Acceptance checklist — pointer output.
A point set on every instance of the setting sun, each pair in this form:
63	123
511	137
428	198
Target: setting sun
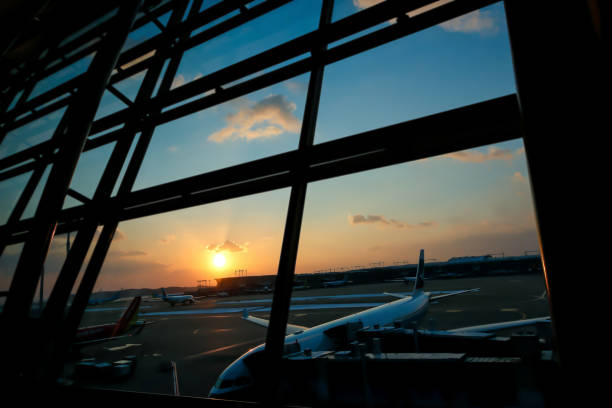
219	260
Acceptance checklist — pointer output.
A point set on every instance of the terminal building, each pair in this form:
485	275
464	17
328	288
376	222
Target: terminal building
473	266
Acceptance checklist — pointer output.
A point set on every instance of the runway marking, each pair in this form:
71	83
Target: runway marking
221	330
122	347
111	309
454	311
207	352
510	309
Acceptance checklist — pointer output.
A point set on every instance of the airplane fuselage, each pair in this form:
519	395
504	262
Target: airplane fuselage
407	310
174	299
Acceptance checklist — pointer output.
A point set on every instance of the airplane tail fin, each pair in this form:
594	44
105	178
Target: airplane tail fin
129	317
164	295
418	280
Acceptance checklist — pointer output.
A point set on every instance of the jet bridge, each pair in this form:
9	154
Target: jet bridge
396	366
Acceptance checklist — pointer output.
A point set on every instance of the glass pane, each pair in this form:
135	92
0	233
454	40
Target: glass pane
258	125
8	263
65	74
140	35
441	68
195	252
362	235
274	28
467	203
30	209
31	134
88	173
51	269
10	190
128	87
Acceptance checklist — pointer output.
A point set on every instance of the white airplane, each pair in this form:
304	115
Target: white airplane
174	299
330	284
410	310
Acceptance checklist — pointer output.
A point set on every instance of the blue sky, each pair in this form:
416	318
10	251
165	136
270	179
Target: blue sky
468	203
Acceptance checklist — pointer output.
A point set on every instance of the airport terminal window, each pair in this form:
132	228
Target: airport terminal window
8	262
110	103
87	174
33	202
254	126
434	70
272	29
203	254
30	135
398	137
470	211
11	190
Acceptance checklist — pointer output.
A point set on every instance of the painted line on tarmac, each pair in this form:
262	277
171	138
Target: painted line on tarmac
207	352
111	309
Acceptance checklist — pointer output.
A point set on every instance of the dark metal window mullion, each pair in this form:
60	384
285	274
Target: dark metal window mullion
40	165
110	225
279	314
81	114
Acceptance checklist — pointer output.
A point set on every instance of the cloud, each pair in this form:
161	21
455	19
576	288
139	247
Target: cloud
119	235
177	81
265	119
227	246
474	22
181	79
381	220
295	86
475	156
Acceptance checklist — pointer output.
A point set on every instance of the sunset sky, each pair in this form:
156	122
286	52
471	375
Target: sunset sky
467	203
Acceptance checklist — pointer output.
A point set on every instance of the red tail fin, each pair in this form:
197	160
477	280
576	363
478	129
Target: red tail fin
129	317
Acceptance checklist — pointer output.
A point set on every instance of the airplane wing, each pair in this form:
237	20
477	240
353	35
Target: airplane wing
501	325
291	328
453	293
396	295
458	292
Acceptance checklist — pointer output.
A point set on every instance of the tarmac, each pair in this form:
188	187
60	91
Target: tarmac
204	338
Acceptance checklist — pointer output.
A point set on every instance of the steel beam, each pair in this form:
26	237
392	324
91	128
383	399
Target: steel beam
54	311
561	78
480	124
80	114
279	314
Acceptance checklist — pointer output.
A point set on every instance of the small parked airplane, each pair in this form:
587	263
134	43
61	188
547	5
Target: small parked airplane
332	284
410	310
174	299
